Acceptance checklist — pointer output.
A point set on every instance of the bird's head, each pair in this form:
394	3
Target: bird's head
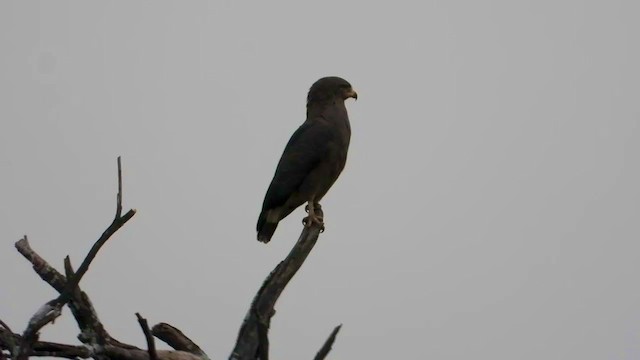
330	89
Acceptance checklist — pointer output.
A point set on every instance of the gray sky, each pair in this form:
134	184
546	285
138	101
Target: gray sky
489	208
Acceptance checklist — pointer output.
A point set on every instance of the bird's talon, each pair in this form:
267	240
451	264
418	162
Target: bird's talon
308	221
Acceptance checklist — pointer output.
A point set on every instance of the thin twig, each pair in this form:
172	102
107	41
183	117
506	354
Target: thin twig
119	196
151	345
4	325
115	226
324	350
117	223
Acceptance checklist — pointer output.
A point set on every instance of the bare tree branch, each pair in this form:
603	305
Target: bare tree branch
324	350
52	309
98	343
4	325
176	339
119	196
116	224
263	334
252	339
7	341
151	345
91	329
109	351
6	337
252	342
119	353
43	348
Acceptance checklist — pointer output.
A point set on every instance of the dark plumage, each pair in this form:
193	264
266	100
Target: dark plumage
313	158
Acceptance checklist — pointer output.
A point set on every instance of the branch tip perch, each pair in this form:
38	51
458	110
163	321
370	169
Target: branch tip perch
252	342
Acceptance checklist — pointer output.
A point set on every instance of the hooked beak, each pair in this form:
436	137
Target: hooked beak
351	93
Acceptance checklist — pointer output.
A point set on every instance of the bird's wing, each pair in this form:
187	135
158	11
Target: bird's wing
304	151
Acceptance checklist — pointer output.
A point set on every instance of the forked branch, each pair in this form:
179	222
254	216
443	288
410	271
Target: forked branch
52	309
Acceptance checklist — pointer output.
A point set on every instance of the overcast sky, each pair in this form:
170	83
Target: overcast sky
489	208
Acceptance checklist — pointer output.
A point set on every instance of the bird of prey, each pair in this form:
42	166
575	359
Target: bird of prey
313	158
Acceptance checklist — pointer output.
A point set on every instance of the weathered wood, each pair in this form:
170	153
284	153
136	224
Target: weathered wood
324	350
151	345
252	342
176	339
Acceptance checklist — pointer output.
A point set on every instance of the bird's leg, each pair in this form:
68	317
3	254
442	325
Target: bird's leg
316	206
311	208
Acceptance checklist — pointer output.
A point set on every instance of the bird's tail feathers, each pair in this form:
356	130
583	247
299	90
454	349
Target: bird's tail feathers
265	228
265	234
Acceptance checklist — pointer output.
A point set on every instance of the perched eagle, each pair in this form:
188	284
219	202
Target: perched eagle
313	158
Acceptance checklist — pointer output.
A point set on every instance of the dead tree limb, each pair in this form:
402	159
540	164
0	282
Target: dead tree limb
98	343
253	342
176	339
151	345
52	309
324	350
92	332
43	348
